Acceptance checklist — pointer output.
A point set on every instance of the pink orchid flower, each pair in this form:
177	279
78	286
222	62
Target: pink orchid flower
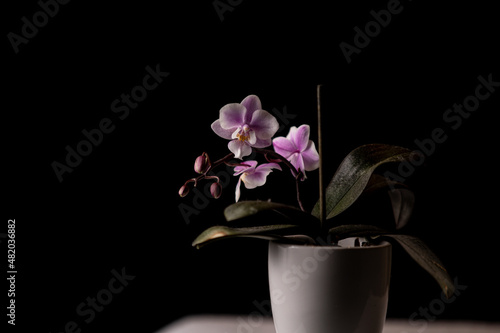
246	125
253	175
298	149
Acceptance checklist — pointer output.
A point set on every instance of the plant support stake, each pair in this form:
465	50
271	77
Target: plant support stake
322	212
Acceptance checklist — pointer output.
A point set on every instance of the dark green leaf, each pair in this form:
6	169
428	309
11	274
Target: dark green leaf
355	230
402	201
421	253
269	232
276	211
402	198
354	172
378	182
415	247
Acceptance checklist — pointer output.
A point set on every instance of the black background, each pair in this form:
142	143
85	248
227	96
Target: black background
119	208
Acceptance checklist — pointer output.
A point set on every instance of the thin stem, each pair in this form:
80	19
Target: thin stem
322	211
213	166
298	193
297	174
273	154
222	160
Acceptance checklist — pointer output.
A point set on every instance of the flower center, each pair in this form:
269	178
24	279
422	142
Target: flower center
242	137
243	134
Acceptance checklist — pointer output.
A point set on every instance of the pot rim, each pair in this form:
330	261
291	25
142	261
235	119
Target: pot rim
381	245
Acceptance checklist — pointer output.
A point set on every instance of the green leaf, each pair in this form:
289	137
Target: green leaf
421	253
355	230
415	247
378	182
353	175
276	211
402	201
269	232
402	198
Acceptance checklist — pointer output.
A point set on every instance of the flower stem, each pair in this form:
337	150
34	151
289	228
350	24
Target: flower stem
275	156
222	160
272	155
205	175
322	212
298	194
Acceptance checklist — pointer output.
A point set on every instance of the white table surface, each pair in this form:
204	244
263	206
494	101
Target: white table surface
242	324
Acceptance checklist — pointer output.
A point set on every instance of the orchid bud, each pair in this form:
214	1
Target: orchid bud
184	190
216	190
202	163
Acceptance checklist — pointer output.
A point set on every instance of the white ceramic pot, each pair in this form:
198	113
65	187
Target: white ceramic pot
329	289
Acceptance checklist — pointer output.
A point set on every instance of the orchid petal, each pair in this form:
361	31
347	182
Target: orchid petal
239	148
234	135
297	161
253	175
251	103
223	133
264	124
232	116
254	180
284	146
249	167
258	178
311	157
238	191
267	166
291	133
262	143
253	138
301	137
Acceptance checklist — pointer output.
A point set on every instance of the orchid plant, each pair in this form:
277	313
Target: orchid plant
250	129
